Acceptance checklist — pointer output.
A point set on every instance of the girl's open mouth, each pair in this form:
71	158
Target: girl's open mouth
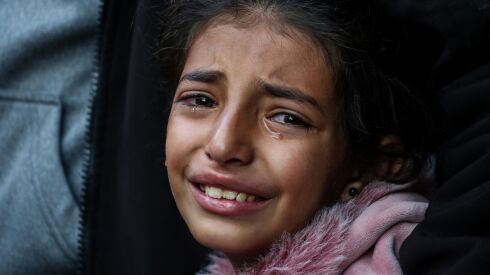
226	202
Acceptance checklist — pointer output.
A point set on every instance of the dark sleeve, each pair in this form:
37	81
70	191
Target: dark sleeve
135	226
454	238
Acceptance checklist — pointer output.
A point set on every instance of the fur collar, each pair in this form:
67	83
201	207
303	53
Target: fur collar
362	236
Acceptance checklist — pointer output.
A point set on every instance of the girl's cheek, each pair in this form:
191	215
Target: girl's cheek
175	142
184	136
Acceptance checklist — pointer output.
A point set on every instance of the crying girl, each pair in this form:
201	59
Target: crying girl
290	148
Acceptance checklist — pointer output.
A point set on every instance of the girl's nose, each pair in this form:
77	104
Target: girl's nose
231	141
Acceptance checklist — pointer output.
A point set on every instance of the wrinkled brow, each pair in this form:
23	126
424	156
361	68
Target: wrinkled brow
289	93
206	76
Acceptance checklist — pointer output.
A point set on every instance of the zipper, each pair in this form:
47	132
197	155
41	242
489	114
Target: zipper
88	184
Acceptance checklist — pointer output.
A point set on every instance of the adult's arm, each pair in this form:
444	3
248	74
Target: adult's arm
454	238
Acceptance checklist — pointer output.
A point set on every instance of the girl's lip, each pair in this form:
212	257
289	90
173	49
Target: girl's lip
225	207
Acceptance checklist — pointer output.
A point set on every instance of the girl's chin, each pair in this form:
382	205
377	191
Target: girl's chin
236	249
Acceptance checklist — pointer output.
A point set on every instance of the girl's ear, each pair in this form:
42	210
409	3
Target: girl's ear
388	166
385	167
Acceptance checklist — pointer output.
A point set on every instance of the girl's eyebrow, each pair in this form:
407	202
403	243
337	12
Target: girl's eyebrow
289	93
200	75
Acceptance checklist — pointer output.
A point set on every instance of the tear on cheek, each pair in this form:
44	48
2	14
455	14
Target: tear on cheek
270	129
277	131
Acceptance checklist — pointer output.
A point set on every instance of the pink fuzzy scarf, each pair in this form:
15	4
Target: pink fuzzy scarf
362	236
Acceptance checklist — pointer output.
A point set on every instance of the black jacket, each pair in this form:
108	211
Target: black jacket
130	222
450	57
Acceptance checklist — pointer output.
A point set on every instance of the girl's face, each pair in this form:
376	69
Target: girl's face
253	144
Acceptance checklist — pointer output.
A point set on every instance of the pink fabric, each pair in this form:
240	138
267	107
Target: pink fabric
376	235
362	236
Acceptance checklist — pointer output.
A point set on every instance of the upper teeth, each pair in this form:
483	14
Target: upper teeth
218	193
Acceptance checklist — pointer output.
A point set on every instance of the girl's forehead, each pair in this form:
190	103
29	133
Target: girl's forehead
260	43
265	35
259	53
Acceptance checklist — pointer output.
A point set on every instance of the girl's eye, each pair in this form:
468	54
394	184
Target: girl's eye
290	120
197	100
